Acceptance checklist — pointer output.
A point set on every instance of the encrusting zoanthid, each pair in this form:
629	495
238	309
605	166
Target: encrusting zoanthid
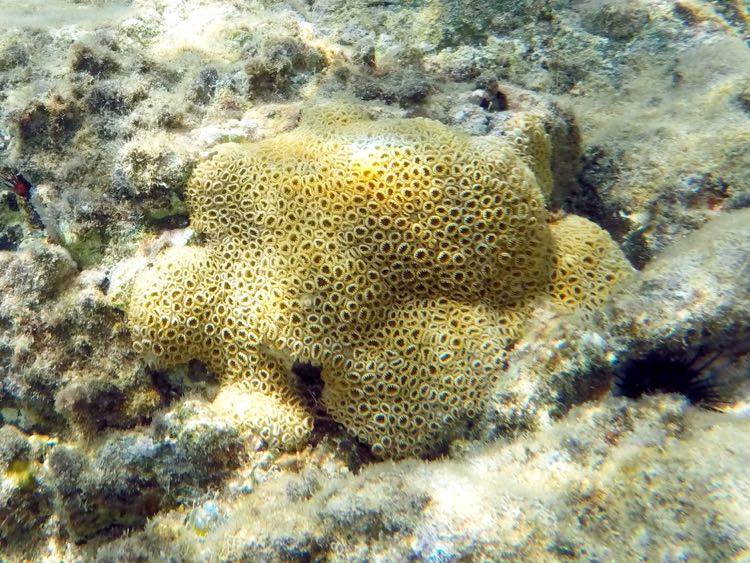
398	255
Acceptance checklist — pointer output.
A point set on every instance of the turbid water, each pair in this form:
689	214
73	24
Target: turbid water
374	281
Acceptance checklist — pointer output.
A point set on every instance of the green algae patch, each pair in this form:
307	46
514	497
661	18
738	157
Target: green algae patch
20	473
86	250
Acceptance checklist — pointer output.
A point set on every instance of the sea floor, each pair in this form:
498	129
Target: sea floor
611	432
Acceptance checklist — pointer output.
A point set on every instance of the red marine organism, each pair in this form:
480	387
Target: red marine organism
24	191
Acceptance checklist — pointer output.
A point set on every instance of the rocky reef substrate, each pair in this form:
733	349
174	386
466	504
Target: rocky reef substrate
613	434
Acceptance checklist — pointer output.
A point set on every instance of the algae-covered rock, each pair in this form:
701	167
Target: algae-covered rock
695	164
50	350
132	475
565	492
617	20
696	293
25	498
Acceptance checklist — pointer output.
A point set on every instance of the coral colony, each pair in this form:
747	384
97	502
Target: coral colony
399	256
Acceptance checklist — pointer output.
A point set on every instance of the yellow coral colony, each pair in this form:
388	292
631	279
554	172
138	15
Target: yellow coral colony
398	255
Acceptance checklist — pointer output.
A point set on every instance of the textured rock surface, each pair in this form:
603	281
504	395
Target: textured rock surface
694	295
611	481
695	165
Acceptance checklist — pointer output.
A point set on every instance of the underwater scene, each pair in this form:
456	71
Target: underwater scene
374	280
